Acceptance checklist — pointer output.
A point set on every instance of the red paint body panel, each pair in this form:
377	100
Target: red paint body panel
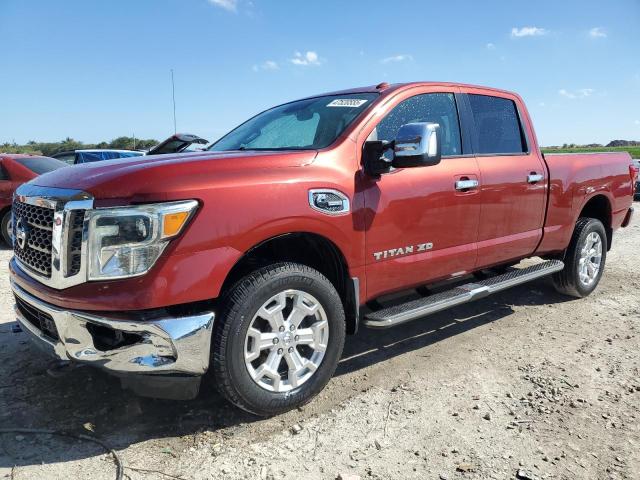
577	178
17	175
249	197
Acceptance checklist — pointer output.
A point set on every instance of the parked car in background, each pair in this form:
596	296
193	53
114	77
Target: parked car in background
15	170
74	157
179	143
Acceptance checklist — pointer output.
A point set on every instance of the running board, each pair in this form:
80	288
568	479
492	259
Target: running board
404	312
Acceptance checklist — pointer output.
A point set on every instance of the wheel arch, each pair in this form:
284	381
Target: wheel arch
307	248
599	207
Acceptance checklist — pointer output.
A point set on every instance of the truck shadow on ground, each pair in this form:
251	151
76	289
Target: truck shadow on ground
30	398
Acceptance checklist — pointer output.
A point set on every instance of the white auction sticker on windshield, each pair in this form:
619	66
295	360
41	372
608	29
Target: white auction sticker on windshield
346	102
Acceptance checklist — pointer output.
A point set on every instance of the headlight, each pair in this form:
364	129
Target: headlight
127	241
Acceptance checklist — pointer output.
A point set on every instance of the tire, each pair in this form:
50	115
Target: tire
568	281
301	289
5	225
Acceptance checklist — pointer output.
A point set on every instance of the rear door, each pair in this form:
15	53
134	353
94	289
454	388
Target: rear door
513	178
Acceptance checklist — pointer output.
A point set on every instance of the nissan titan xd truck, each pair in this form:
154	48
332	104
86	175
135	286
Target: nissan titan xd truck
251	261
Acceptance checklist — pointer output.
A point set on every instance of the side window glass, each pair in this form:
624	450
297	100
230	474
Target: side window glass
3	173
498	127
430	107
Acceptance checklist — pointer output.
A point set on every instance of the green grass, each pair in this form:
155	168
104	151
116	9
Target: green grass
633	151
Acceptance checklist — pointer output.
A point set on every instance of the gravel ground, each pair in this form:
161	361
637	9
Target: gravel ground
523	384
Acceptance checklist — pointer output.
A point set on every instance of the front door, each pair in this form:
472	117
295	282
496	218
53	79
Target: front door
513	183
419	227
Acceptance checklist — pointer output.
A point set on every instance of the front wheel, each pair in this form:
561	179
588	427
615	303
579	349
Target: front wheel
584	260
278	339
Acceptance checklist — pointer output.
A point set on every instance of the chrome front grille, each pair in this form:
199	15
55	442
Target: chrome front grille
50	234
33	226
74	243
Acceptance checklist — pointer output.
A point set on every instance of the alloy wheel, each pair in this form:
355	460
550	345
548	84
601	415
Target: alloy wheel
286	341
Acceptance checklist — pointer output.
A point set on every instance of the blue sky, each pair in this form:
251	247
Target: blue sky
94	70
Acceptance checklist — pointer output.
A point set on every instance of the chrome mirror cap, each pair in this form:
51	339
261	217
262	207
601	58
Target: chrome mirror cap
417	145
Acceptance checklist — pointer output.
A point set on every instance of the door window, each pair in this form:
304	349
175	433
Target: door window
437	108
498	129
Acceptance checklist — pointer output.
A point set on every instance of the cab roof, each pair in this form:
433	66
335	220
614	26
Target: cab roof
387	88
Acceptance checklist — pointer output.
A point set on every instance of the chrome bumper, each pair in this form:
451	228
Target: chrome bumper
158	345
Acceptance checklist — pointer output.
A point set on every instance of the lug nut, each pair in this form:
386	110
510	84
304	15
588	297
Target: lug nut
281	329
292	328
297	338
290	349
279	351
275	341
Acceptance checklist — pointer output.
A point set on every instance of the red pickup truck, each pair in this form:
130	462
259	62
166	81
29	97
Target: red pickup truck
254	258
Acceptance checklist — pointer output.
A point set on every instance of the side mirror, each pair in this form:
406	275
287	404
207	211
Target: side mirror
375	164
417	145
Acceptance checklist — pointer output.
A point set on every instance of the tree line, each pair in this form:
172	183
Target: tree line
51	148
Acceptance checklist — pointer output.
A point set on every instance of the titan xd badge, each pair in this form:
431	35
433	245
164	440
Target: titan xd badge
408	250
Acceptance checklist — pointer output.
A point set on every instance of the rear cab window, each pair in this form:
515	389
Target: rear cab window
498	129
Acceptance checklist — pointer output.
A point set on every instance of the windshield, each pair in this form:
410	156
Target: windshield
41	165
313	123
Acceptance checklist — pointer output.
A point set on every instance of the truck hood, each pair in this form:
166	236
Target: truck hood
160	176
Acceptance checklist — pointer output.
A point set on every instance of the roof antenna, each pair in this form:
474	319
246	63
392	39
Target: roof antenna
173	94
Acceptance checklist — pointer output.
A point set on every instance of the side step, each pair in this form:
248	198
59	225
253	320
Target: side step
397	314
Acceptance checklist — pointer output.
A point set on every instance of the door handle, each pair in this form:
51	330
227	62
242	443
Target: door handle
534	177
466	184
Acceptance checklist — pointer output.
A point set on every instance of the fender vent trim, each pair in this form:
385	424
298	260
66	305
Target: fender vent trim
329	201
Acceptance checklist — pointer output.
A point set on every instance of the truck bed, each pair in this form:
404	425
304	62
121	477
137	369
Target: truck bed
575	178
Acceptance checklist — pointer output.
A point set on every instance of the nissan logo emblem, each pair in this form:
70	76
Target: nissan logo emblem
21	232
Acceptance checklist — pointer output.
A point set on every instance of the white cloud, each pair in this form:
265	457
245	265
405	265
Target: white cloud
527	32
230	5
490	46
305	59
266	65
597	32
580	93
397	58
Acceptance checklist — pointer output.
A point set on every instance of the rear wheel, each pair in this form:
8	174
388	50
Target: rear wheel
584	260
278	339
6	227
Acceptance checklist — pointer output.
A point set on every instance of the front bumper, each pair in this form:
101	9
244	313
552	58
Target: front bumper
151	346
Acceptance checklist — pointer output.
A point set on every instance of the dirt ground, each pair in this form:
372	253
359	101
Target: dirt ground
523	384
